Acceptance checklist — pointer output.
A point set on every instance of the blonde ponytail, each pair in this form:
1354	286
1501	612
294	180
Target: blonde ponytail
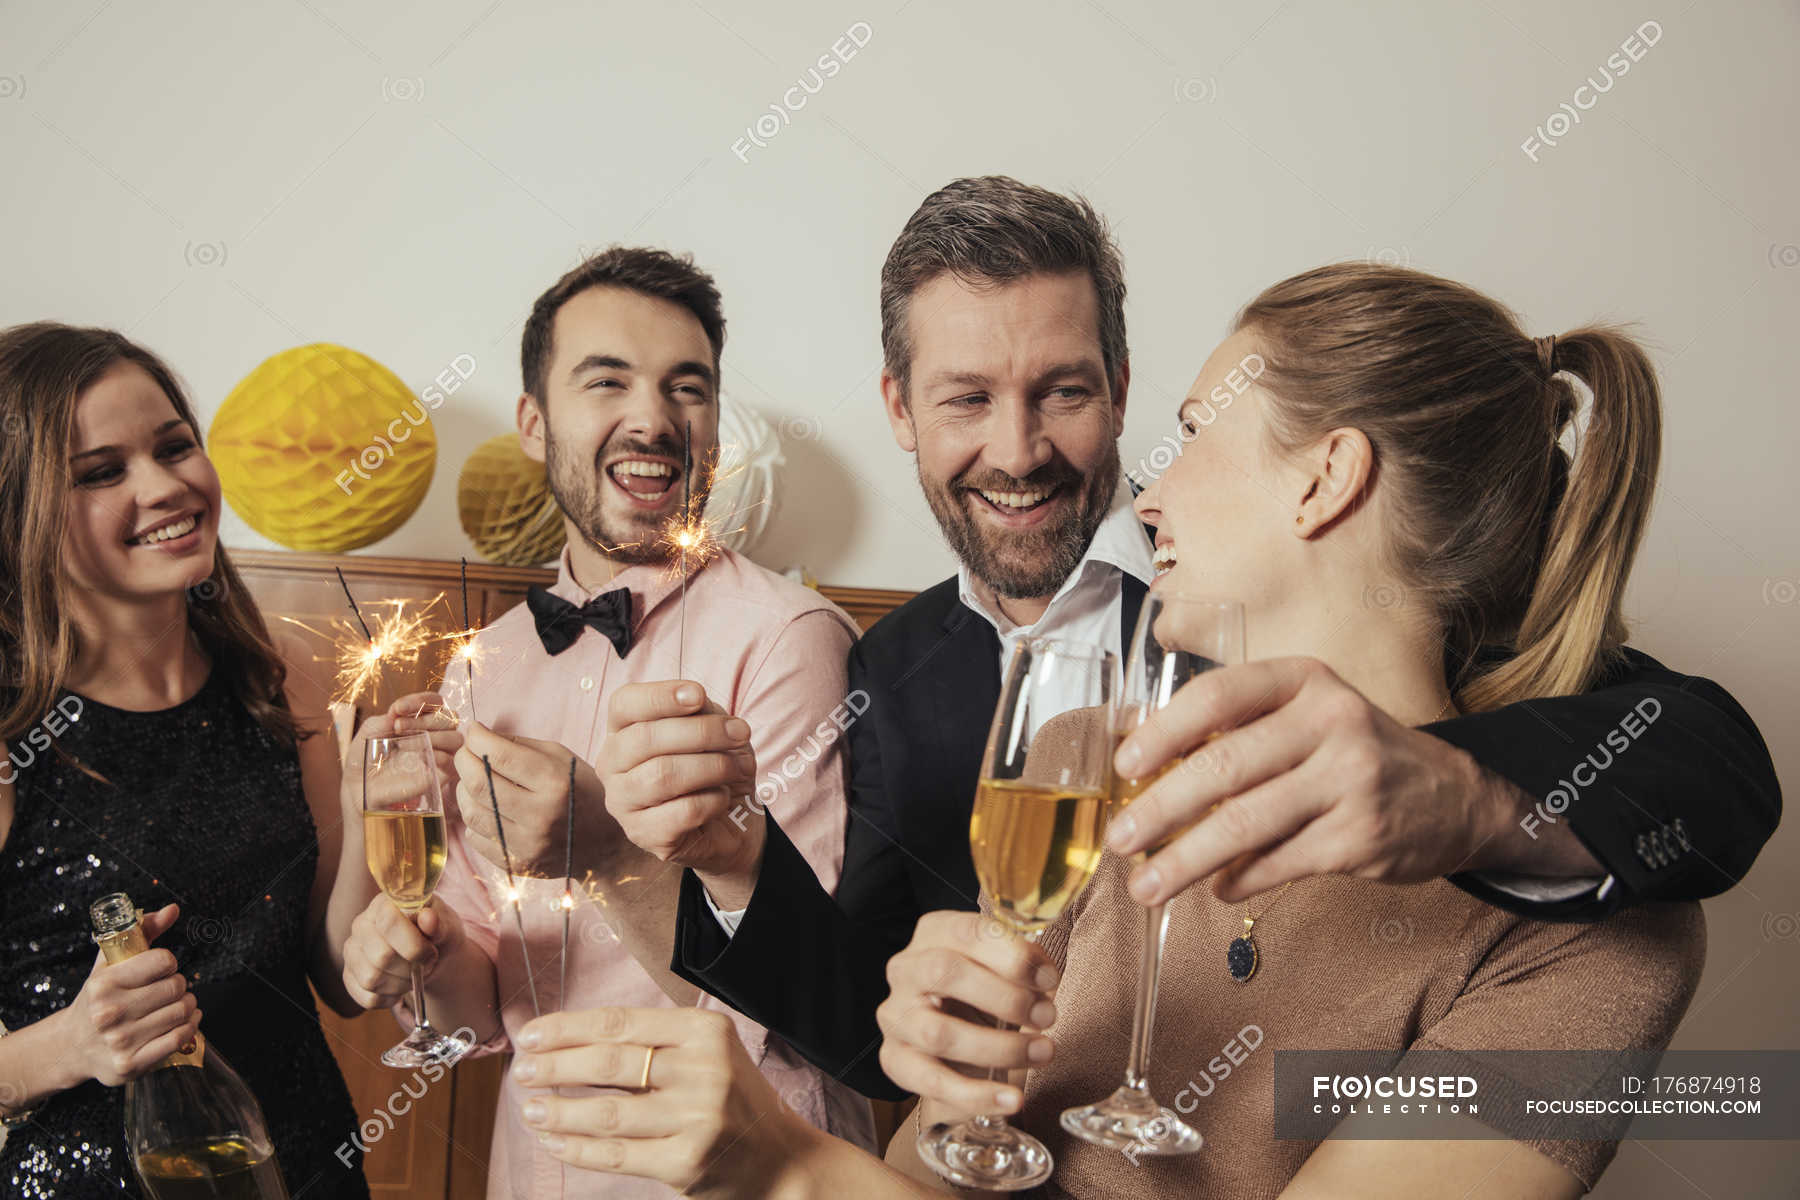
1573	625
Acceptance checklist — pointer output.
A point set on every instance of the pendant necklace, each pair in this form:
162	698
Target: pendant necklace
1241	957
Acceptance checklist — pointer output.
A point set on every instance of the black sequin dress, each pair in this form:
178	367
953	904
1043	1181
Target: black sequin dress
205	810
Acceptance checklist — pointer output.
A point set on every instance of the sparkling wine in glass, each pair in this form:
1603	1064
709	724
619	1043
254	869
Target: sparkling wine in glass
1035	834
1177	638
404	838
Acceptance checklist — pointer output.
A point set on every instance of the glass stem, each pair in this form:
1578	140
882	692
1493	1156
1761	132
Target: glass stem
418	1000
994	1121
991	1122
1156	928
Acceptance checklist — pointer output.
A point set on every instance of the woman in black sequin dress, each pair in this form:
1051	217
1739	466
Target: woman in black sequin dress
159	745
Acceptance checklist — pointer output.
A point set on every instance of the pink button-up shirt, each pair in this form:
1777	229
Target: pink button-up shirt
766	649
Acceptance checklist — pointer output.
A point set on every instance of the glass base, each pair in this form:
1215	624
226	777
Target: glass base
425	1045
994	1157
1132	1121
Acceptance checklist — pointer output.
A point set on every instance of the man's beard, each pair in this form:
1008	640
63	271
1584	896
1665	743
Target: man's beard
631	537
1032	563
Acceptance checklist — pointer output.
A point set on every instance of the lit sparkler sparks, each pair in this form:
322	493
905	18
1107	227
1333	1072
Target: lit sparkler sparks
394	640
466	649
691	537
690	541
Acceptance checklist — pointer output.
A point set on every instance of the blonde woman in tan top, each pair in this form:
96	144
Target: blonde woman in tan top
1387	498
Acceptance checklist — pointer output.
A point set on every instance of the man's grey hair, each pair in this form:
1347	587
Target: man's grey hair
995	230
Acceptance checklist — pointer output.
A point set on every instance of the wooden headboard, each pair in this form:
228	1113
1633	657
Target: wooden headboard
439	1149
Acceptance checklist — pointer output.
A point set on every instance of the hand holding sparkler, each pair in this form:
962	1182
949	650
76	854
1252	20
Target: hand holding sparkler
539	784
535	808
680	775
531	784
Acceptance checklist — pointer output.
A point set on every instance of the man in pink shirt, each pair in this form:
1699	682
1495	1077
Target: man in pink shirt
621	360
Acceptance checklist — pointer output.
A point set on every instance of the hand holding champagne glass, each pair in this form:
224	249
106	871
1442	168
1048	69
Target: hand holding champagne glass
404	836
1040	813
1177	638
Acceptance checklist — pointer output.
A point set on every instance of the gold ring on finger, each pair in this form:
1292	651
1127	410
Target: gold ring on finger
644	1080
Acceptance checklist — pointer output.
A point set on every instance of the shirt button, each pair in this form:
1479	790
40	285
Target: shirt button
587	683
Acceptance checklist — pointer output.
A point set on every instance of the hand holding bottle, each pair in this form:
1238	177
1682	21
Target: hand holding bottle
189	1119
131	1015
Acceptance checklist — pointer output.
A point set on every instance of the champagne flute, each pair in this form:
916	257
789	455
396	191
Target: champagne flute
404	838
1178	637
1039	816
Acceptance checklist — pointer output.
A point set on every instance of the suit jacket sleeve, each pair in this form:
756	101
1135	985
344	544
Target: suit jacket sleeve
1662	776
805	966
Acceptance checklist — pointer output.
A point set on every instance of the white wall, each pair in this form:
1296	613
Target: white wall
405	177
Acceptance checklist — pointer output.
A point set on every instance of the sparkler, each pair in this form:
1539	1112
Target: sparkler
568	899
355	611
690	542
691	539
568	906
694	538
466	648
512	885
395	640
685	538
463	647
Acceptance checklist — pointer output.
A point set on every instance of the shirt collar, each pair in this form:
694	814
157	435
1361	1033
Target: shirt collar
1120	541
1118	546
650	585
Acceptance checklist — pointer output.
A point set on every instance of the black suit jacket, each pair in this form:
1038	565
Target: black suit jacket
1680	812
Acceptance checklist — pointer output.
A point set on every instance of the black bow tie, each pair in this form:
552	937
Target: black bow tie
559	622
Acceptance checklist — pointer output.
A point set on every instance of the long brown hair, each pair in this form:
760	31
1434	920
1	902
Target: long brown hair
44	369
1487	518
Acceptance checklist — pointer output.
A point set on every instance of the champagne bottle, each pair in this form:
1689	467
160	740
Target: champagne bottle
193	1129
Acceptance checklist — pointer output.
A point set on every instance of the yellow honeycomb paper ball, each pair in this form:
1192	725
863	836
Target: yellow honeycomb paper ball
322	448
506	506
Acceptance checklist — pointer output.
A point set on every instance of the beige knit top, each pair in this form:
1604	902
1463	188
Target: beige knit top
1345	964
